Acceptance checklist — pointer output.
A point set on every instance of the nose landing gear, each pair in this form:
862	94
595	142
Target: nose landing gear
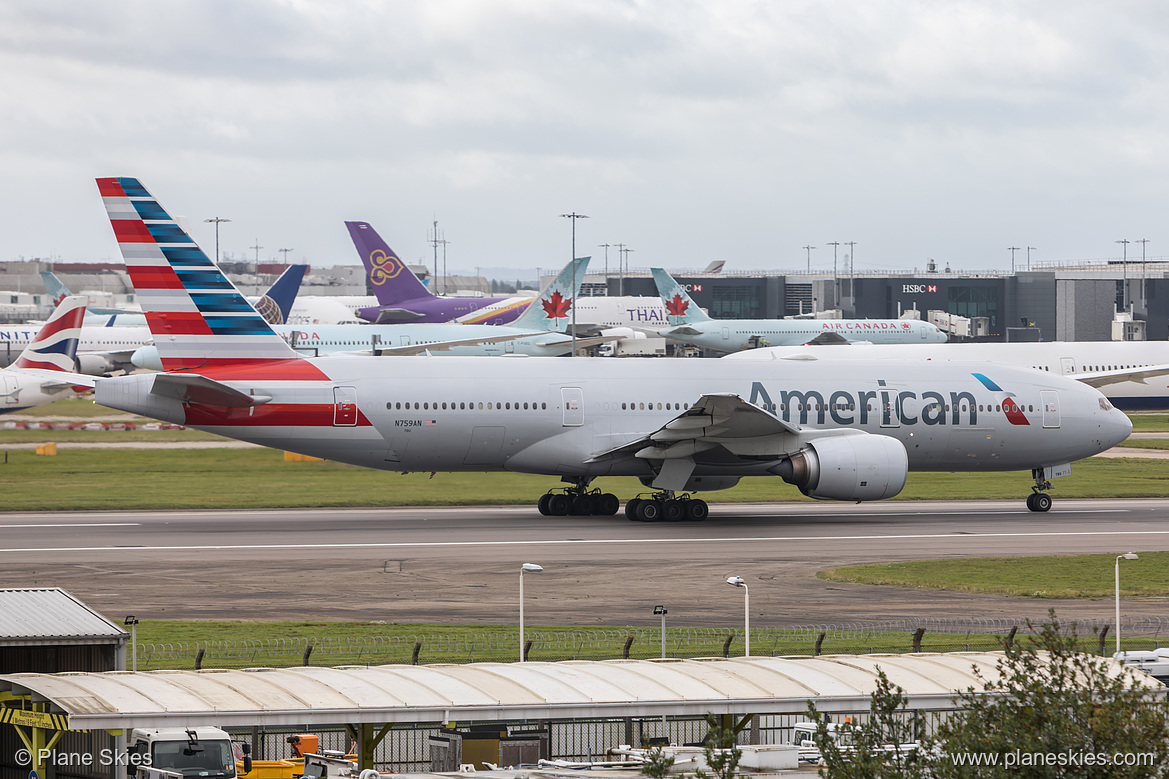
1039	500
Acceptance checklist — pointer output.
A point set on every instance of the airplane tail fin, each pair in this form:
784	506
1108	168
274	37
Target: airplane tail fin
391	280
277	301
715	266
552	308
53	285
680	309
55	346
197	316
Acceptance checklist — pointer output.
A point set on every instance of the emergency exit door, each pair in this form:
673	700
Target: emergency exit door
344	406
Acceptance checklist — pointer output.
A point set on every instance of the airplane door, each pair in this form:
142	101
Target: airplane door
573	399
726	333
1050	401
344	406
1067	365
405	340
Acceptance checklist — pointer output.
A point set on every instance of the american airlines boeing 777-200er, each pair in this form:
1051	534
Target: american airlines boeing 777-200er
840	432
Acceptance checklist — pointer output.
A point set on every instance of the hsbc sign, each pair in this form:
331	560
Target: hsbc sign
918	289
692	287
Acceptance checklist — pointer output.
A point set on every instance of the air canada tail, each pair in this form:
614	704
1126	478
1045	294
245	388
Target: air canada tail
55	346
55	287
680	309
197	316
391	280
552	309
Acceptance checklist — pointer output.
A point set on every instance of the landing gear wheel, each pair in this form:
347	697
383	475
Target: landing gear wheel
583	505
607	505
631	509
673	510
542	504
649	511
1039	501
697	510
559	505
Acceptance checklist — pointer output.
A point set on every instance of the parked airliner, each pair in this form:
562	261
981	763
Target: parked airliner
836	432
538	331
688	323
43	371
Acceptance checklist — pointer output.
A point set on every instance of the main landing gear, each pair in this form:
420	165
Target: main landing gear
578	501
664	506
1039	500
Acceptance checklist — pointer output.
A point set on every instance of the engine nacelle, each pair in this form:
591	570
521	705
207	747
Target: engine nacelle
849	467
700	483
94	364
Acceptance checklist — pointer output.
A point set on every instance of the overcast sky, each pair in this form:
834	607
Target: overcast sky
688	131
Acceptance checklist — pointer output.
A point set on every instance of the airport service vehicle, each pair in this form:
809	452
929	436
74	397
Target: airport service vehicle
44	370
839	432
1133	375
403	298
206	753
631	344
688	323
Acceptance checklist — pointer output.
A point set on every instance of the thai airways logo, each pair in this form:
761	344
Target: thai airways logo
676	306
1012	409
384	267
556	306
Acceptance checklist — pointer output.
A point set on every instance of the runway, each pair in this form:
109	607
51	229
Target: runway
443	565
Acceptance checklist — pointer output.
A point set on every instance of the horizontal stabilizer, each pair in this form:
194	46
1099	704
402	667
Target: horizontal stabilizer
202	391
58	380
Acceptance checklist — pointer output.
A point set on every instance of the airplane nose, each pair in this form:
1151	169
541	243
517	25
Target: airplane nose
1116	425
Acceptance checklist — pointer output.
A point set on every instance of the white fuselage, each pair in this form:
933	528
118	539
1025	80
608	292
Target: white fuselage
14	339
1064	358
732	335
538	415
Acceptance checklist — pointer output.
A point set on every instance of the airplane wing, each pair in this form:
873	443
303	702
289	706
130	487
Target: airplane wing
680	330
442	346
393	316
724	420
828	339
1141	375
200	390
583	342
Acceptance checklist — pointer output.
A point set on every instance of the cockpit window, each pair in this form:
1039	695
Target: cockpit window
1104	404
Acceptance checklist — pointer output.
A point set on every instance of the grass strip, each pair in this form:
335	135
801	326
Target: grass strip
1072	576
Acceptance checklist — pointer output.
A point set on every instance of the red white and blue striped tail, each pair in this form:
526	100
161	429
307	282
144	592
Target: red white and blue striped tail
197	316
55	347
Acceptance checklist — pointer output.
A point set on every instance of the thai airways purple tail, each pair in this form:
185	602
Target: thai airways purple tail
402	298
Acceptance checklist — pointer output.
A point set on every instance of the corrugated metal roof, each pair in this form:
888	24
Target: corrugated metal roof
52	616
488	691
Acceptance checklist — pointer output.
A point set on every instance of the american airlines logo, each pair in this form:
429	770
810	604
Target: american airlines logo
918	289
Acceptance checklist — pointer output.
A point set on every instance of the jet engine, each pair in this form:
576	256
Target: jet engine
850	467
95	364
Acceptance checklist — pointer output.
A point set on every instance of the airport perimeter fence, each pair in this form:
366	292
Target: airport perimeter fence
926	635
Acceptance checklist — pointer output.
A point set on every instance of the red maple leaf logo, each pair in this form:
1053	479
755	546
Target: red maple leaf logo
676	306
556	306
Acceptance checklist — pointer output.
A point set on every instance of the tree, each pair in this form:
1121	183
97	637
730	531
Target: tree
721	750
657	763
873	749
1049	711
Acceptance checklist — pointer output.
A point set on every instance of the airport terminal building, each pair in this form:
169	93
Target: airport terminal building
1058	303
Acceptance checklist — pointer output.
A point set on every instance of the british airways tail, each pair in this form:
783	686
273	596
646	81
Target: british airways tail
55	346
391	280
680	309
197	316
552	309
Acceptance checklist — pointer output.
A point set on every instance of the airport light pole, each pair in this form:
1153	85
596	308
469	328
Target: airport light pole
525	568
1029	250
1142	242
1129	556
1012	250
606	246
132	621
217	220
574	216
1124	242
809	249
737	581
662	611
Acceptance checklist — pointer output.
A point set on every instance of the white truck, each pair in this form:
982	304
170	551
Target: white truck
206	753
633	343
